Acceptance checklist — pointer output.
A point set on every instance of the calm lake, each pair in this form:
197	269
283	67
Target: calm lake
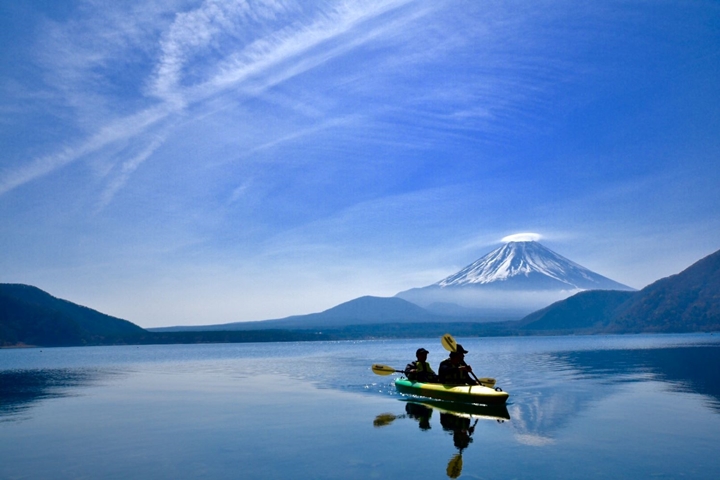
635	406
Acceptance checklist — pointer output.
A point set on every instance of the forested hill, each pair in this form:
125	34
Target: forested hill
686	302
31	316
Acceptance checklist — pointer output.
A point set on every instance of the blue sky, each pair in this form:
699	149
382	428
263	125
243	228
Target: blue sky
193	162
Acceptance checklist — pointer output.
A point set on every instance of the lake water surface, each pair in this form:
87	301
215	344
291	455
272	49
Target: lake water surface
635	406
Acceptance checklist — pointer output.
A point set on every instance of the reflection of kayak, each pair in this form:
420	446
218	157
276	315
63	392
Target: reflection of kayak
454	393
467	410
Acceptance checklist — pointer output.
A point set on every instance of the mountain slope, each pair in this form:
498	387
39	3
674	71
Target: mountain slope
31	316
686	302
587	311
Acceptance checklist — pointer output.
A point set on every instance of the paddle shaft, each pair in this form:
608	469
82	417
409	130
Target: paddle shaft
472	373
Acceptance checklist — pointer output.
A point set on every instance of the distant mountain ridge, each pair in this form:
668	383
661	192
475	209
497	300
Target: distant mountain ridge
686	302
360	311
590	311
517	278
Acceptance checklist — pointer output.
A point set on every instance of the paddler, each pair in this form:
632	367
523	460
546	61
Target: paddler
420	370
454	370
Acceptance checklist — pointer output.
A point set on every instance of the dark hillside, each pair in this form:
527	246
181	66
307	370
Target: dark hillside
31	316
586	311
686	302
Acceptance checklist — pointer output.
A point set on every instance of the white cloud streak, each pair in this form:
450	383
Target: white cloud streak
192	33
264	54
126	170
111	133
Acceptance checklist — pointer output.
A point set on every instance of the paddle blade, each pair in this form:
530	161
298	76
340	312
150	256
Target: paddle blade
384	419
454	468
487	382
382	369
448	342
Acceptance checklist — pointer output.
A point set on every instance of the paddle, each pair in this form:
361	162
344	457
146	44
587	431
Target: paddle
454	468
449	344
384	370
385	419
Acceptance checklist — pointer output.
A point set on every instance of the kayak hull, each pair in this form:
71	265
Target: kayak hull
454	393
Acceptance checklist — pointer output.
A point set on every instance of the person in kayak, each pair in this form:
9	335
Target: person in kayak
454	370
420	370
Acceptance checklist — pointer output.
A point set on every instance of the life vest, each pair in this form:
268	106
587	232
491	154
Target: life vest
423	371
451	374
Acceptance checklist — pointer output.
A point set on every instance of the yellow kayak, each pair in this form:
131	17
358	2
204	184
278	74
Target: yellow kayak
455	393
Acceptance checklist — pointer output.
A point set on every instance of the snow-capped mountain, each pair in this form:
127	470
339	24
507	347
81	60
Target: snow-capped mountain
529	266
516	278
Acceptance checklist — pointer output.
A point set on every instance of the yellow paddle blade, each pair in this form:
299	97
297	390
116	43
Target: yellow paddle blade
487	382
382	369
384	419
454	468
448	342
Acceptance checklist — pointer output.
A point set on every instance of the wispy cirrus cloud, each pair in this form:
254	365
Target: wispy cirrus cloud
126	169
182	57
113	132
262	63
203	52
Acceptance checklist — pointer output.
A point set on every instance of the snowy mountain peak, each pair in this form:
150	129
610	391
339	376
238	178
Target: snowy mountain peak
527	264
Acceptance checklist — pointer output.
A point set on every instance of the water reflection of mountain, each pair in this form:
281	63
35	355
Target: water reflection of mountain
691	369
540	410
20	389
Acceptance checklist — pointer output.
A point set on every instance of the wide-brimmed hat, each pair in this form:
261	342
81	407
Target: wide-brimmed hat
421	350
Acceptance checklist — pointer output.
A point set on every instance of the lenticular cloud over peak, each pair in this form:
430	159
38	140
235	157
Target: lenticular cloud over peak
522	237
